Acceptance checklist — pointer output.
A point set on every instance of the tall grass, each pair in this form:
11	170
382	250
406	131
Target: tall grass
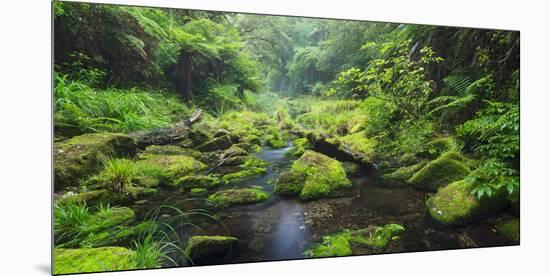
80	108
70	220
118	173
161	243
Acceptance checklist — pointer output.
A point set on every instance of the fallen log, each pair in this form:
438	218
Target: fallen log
163	136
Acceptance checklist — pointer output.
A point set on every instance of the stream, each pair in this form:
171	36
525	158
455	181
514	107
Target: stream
281	228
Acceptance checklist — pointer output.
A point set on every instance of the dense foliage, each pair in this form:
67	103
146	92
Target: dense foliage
397	94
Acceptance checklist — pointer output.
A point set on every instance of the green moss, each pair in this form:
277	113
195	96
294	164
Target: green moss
336	245
241	175
106	197
91	260
440	145
375	239
234	150
509	229
156	151
79	157
170	168
218	143
110	217
276	143
238	196
358	144
299	146
202	246
455	204
92	230
198	191
289	183
197	181
120	236
449	167
85	197
403	173
319	174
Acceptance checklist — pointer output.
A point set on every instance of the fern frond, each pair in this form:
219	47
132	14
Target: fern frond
456	103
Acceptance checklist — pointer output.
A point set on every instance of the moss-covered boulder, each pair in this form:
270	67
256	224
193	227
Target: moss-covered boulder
109	218
197	181
509	229
106	197
218	143
91	228
79	157
84	260
275	143
372	240
449	167
456	205
313	175
198	192
239	196
116	236
202	246
357	145
234	151
404	173
242	175
299	146
156	151
170	168
438	146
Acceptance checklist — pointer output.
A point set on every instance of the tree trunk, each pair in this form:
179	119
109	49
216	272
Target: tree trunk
164	136
184	69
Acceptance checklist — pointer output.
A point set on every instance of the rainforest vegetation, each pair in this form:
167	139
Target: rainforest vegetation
191	137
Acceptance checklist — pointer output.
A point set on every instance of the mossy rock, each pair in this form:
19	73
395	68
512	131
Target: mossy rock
242	175
116	236
170	168
197	181
116	216
198	137
84	260
234	151
239	196
456	205
289	183
373	239
98	226
357	145
276	143
449	167
253	146
404	173
299	146
103	196
79	157
203	246
509	229
198	192
313	175
438	146
219	143
156	151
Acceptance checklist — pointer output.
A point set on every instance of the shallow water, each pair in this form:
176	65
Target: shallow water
282	228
